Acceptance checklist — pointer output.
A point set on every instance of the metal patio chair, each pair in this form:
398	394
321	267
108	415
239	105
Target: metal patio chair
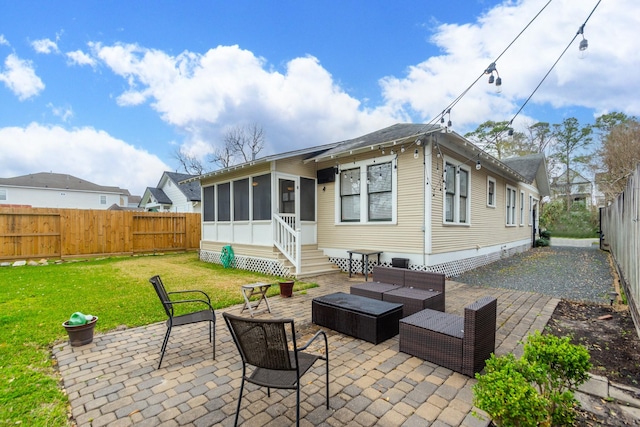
205	315
274	361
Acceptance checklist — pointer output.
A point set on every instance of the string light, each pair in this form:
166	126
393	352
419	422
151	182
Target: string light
498	80
584	44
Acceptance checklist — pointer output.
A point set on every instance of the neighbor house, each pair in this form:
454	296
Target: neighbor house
580	188
57	190
172	194
411	191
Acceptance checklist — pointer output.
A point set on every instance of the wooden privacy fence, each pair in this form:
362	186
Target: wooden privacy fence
28	233
620	225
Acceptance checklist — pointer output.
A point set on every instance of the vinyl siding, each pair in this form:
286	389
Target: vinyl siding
406	236
487	224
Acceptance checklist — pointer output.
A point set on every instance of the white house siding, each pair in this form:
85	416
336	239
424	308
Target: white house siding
61	198
179	202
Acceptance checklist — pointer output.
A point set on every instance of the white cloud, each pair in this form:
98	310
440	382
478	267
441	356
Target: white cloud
203	93
300	103
4	41
87	153
65	113
20	77
45	46
78	57
602	81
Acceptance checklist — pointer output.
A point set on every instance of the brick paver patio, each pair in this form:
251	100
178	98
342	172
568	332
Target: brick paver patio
114	381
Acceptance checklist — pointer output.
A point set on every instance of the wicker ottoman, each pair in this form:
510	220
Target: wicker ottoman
364	318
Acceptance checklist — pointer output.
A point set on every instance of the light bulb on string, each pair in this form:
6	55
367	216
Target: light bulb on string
584	44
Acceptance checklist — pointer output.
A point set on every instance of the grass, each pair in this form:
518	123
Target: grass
36	300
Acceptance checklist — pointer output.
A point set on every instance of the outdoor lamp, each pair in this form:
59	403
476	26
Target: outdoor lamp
584	44
497	80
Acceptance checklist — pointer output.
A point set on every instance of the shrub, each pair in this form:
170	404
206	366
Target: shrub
542	242
535	389
545	234
579	222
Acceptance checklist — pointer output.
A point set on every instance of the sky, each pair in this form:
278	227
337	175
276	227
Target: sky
109	91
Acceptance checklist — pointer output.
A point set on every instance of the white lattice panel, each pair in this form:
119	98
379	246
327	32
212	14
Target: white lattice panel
260	265
449	269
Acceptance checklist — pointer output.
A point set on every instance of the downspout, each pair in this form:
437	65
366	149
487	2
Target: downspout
427	204
424	204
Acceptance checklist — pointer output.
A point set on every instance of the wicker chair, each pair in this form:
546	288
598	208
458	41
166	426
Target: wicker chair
273	361
205	315
462	344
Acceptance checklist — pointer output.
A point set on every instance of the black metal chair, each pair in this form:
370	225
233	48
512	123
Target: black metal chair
273	360
205	315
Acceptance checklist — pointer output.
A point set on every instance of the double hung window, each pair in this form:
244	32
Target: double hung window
511	206
367	192
457	185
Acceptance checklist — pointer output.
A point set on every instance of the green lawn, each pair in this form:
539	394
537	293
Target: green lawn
36	300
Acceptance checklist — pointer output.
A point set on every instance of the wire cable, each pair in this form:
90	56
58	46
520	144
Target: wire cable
456	100
580	31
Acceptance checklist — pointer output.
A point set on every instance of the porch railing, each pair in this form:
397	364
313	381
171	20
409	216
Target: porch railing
287	238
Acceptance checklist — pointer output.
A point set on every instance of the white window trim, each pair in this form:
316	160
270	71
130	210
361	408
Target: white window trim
456	204
495	187
521	208
510	211
4	194
530	209
364	195
100	198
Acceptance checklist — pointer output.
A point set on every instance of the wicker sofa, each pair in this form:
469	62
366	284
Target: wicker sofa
416	290
462	344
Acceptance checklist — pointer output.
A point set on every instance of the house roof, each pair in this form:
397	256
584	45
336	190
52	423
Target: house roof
160	195
191	189
312	151
59	181
397	134
393	134
531	167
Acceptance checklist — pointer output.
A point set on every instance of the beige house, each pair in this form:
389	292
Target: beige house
409	191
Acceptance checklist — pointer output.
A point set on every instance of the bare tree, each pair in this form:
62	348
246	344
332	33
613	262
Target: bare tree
241	144
222	157
190	164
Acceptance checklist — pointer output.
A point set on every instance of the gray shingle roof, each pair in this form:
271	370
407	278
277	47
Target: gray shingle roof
391	133
160	195
527	166
531	167
59	181
190	189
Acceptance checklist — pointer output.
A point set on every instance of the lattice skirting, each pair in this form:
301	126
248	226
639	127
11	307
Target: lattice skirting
259	265
449	269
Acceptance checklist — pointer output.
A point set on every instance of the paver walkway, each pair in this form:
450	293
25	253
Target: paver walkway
114	381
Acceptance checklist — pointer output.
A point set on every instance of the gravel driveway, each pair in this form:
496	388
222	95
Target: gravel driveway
573	273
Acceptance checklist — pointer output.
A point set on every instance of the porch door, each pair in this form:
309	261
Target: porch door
288	196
